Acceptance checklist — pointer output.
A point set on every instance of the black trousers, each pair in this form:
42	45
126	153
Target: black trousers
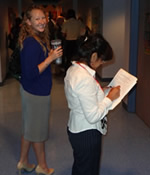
86	151
70	51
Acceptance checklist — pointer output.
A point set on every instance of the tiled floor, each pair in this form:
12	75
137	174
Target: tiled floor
126	147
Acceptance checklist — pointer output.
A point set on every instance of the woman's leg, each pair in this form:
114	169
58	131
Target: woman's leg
25	147
39	149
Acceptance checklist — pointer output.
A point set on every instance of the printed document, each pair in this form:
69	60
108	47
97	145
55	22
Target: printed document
126	81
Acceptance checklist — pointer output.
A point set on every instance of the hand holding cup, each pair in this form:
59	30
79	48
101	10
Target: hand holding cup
57	49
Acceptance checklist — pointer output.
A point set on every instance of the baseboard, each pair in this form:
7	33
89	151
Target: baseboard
125	106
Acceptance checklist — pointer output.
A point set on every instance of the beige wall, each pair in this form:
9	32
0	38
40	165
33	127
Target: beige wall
116	24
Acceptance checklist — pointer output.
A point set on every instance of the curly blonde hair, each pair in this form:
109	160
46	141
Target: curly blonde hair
26	30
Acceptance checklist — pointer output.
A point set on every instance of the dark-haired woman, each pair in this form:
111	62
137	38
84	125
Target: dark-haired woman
36	84
88	104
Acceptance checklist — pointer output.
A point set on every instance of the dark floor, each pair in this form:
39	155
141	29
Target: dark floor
126	147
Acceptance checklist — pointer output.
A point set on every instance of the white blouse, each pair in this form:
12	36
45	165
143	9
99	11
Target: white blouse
86	99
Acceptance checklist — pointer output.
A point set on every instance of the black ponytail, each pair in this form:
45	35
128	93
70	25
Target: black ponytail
87	45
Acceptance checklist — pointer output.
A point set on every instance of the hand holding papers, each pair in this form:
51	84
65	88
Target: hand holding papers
126	81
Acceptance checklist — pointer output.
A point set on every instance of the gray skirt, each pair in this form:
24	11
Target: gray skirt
35	116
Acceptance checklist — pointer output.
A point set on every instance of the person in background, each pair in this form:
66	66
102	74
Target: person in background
14	33
51	26
72	28
59	23
88	104
36	84
88	31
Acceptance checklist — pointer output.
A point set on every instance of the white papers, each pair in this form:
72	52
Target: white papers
126	81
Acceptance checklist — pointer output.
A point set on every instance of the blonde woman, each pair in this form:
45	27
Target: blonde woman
36	84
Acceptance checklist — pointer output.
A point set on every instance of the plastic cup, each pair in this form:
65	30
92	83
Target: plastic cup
56	43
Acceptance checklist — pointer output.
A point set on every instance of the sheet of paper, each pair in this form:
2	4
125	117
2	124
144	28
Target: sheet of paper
126	81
